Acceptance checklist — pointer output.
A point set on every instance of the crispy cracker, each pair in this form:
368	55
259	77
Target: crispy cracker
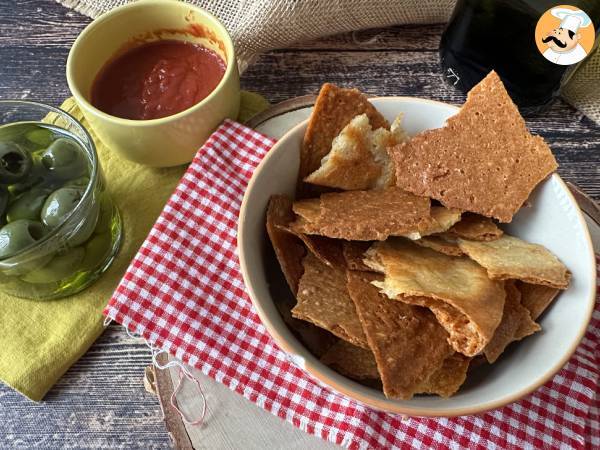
536	298
439	244
446	381
329	251
308	209
358	158
354	252
511	258
323	300
408	343
484	160
457	290
351	361
440	220
364	215
516	324
288	248
334	109
476	228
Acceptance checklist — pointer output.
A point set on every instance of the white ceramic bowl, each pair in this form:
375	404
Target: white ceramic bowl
554	220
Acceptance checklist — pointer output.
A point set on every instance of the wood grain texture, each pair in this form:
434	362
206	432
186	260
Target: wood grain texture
101	402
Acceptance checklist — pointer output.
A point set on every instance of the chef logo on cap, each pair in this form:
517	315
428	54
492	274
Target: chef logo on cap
564	35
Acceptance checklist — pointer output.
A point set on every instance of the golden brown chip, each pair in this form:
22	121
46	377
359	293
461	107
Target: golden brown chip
288	248
484	160
351	163
308	209
439	244
363	215
457	290
446	381
329	251
334	109
351	361
323	300
354	252
408	343
511	258
516	324
441	219
476	228
536	298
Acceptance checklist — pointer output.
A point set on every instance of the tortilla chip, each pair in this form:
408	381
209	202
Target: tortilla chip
516	324
441	219
358	158
334	109
446	381
484	160
439	244
363	215
351	361
511	258
476	228
354	252
288	248
457	290
323	300
408	343
536	298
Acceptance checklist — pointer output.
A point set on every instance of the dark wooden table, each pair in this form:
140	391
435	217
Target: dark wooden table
101	402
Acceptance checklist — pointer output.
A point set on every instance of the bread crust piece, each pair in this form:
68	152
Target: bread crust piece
448	379
476	228
457	290
289	250
351	361
536	298
484	160
511	258
408	343
323	299
334	108
515	325
363	215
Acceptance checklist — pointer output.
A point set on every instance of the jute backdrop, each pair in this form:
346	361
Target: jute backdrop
260	25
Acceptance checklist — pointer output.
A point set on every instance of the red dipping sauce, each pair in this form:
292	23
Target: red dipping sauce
157	79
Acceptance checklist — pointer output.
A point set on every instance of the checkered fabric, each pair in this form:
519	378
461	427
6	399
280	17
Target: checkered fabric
184	293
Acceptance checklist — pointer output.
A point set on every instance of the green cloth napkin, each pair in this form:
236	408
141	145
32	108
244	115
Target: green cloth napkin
39	341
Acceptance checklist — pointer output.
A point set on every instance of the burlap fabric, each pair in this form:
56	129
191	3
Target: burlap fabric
260	25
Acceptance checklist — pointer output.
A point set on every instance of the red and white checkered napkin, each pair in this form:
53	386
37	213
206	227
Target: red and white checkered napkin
184	293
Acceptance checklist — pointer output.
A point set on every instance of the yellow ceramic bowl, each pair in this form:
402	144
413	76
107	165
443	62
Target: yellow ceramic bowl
167	141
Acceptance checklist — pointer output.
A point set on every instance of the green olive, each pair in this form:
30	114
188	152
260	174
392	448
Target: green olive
35	178
86	228
61	266
15	163
3	200
96	250
18	235
65	159
42	137
29	205
81	182
59	205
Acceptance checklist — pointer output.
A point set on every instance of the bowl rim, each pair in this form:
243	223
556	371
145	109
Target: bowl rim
230	70
387	405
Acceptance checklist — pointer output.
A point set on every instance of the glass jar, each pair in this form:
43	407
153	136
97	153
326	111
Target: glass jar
65	257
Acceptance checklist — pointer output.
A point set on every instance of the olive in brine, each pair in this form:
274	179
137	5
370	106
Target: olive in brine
28	206
18	235
61	266
40	136
15	163
59	205
65	159
3	200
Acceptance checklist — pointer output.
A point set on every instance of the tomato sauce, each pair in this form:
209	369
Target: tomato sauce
157	79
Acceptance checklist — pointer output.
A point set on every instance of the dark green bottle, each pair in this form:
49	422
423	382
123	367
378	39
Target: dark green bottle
500	34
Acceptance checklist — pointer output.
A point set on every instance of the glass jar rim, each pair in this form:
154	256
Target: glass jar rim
90	148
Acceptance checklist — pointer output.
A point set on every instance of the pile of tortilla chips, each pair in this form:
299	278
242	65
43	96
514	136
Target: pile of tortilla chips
392	248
